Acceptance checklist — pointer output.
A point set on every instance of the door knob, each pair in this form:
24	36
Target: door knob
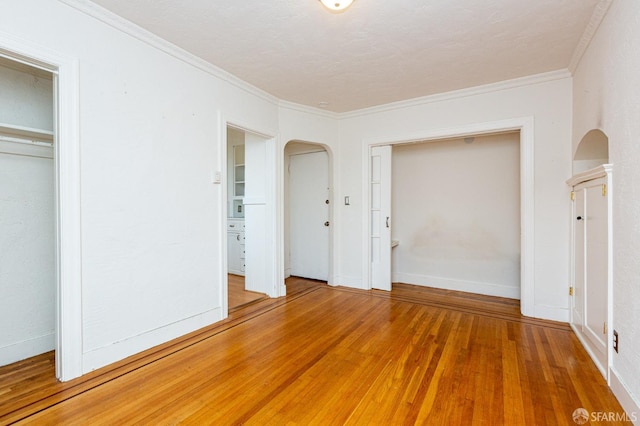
326	223
579	218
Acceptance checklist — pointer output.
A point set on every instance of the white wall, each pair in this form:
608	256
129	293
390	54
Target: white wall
150	139
27	96
606	92
545	98
456	214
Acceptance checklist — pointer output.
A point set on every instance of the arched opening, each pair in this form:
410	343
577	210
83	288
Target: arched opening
592	151
307	211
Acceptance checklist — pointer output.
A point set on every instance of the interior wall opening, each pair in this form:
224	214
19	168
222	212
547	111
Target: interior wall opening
592	151
240	292
251	197
456	214
307	211
28	213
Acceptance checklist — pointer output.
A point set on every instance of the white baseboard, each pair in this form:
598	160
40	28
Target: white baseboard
287	273
119	350
552	313
27	348
458	285
630	405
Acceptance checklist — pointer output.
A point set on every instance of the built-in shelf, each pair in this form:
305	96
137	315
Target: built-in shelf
28	133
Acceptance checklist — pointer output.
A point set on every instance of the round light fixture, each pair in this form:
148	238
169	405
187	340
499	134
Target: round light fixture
336	5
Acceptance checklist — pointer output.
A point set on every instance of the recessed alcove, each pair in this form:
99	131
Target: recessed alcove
592	151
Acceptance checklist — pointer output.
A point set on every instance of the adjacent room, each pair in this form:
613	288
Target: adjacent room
319	212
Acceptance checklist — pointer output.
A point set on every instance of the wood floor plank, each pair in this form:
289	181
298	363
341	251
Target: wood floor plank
326	355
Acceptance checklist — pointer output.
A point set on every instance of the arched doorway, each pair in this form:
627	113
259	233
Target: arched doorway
307	211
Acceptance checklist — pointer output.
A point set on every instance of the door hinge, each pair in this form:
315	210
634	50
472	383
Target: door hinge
573	195
604	189
571	291
604	328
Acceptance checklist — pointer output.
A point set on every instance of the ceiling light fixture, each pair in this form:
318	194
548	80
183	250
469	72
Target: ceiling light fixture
336	5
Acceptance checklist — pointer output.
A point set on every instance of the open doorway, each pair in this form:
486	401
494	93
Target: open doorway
307	211
252	175
459	228
374	268
238	293
28	249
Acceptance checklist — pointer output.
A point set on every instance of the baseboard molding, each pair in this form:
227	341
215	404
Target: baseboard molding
585	344
27	348
458	285
119	350
552	313
630	405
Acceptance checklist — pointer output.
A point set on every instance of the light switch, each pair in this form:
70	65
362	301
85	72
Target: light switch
347	201
216	177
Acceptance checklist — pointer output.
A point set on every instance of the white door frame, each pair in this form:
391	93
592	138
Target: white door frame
525	125
68	339
273	257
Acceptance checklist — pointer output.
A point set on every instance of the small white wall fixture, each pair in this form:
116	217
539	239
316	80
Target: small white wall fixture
67	197
525	125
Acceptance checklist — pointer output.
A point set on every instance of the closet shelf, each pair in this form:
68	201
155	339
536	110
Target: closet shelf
36	135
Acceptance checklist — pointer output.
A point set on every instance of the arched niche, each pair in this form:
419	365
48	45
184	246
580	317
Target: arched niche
592	151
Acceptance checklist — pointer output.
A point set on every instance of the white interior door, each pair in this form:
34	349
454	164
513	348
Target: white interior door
596	292
309	215
577	301
380	217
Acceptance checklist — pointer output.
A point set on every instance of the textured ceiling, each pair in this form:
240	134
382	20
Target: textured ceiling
378	51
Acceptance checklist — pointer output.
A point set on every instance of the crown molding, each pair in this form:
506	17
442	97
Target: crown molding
309	110
462	93
589	32
139	33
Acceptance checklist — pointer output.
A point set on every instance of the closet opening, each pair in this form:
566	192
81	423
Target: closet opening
465	233
28	212
455	205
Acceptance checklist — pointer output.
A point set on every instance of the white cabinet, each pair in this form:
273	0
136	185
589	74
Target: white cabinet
235	188
235	246
591	284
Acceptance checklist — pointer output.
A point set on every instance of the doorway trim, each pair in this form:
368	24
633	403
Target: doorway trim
525	125
68	322
331	280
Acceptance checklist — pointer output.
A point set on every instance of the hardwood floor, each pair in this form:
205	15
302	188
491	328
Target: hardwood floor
326	355
238	296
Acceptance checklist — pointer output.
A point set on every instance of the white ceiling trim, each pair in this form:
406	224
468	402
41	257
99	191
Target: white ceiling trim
589	32
310	110
462	93
139	33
